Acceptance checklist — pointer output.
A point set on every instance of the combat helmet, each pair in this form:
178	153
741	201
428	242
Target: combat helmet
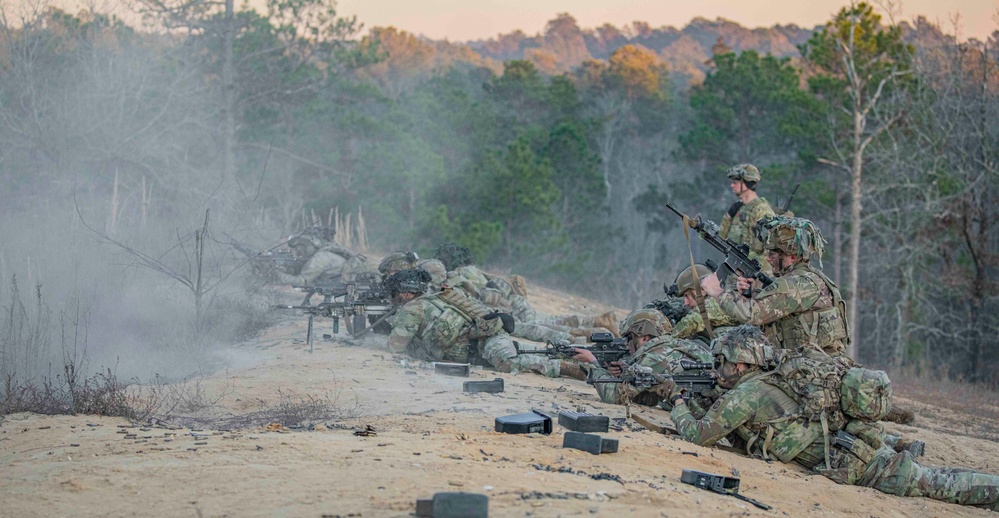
397	261
744	172
436	269
793	236
645	321
685	280
454	256
407	281
745	344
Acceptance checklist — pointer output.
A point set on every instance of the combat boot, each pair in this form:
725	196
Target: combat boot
571	370
899	414
916	448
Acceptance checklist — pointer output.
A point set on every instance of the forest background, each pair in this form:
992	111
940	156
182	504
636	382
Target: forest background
132	154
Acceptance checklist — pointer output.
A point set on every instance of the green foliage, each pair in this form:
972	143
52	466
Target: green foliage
748	107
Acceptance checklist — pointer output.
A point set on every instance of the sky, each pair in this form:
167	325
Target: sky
463	20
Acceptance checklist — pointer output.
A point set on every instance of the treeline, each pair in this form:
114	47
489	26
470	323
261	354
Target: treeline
560	176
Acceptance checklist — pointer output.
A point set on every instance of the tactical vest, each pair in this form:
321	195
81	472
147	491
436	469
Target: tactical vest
740	228
458	323
777	429
827	328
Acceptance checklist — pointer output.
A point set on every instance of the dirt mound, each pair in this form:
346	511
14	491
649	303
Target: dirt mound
401	432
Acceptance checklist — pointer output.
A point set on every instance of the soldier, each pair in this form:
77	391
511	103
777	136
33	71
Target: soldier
450	326
511	295
737	224
692	325
397	262
649	346
802	307
758	413
322	260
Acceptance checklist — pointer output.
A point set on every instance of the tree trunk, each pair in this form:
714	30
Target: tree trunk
853	281
228	94
838	238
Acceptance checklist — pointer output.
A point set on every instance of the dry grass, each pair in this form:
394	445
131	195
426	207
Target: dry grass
950	406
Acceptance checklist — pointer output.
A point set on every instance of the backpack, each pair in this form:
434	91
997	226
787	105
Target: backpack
835	387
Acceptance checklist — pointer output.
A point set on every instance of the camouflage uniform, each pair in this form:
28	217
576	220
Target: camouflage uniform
661	354
692	324
327	262
739	226
738	222
802	307
758	413
449	326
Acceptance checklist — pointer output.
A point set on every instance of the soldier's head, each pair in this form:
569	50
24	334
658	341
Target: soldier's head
743	178
322	232
643	325
437	271
407	285
683	285
397	262
454	256
740	351
304	246
789	240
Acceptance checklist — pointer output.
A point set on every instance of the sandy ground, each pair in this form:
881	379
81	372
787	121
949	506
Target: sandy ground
430	437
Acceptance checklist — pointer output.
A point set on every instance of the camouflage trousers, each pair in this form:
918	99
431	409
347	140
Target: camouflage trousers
500	352
899	474
540	333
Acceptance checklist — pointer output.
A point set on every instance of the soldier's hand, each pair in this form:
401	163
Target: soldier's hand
744	283
616	368
584	356
711	286
667	389
629	392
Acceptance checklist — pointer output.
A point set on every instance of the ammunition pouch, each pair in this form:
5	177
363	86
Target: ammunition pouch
508	322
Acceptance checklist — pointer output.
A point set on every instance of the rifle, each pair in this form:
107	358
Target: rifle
671	307
737	258
355	306
605	347
787	204
643	377
265	262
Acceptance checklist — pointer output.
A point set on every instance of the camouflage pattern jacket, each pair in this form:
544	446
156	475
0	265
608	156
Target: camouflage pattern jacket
762	417
440	327
327	262
662	355
692	324
801	308
740	227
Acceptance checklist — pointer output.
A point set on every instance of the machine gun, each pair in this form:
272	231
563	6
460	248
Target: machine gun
355	304
643	377
737	258
605	347
265	262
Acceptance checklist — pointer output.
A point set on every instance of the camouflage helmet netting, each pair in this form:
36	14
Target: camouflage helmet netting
744	344
793	236
643	322
685	281
454	255
397	261
744	172
408	281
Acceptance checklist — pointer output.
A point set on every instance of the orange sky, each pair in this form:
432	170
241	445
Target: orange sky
460	20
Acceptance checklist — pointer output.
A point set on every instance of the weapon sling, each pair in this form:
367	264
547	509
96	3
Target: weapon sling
698	293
